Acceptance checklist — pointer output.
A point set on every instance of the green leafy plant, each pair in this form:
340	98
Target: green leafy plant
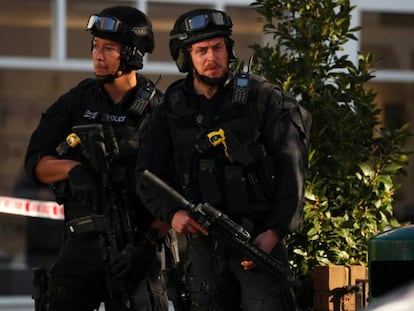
353	160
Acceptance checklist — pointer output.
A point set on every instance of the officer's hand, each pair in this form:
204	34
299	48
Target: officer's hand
183	223
248	264
266	241
83	183
131	261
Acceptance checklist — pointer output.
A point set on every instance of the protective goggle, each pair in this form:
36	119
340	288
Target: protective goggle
103	23
201	21
112	24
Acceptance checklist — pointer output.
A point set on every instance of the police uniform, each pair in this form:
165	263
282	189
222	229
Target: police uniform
78	279
106	255
257	178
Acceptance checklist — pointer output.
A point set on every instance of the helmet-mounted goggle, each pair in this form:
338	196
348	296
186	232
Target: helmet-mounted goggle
201	21
112	24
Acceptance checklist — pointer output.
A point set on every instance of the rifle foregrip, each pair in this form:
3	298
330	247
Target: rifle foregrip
268	261
222	220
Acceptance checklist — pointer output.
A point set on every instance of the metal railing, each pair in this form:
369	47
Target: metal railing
16	303
26	303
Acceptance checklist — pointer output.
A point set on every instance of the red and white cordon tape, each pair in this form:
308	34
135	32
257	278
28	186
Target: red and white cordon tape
32	208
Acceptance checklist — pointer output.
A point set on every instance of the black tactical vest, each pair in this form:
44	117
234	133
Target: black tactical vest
88	104
231	181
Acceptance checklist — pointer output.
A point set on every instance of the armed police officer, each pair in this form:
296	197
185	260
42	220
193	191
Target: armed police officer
238	142
108	253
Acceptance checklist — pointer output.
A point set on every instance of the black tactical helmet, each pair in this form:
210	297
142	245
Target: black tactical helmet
195	26
128	26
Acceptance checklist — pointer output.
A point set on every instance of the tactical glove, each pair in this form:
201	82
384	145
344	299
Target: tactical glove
132	262
83	184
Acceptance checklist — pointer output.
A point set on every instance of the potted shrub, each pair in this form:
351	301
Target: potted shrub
353	160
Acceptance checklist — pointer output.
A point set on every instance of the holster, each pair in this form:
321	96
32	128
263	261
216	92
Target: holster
40	279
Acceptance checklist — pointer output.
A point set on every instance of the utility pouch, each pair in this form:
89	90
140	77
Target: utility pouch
261	179
208	183
260	174
265	172
266	169
236	190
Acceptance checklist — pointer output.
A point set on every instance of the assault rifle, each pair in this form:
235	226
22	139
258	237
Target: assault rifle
211	218
111	216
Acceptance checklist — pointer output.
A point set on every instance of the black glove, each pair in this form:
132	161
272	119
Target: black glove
132	262
83	184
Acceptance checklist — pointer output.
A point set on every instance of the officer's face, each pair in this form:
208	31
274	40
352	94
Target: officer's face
105	56
210	57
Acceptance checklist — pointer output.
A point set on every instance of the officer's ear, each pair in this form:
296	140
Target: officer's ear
184	59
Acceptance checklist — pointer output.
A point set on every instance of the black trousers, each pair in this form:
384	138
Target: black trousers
79	282
218	282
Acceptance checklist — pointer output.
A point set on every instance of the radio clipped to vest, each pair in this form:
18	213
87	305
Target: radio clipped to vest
241	85
143	97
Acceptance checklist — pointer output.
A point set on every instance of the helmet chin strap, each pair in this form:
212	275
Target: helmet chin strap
103	79
211	81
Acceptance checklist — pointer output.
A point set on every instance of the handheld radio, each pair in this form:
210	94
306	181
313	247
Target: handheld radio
143	97
241	85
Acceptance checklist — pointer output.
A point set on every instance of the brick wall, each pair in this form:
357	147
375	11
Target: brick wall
340	288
